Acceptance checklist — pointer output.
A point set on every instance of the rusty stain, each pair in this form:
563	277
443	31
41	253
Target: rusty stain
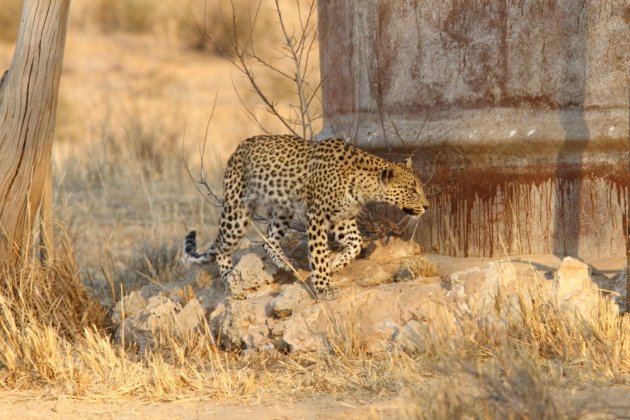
489	211
482	187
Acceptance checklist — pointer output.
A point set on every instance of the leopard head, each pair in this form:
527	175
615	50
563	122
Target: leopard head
403	189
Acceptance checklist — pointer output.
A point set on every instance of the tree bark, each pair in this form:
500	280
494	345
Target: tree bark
28	102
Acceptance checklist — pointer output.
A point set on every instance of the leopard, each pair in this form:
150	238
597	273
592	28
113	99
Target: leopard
328	181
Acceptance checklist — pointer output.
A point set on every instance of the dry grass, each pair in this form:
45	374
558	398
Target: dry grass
46	340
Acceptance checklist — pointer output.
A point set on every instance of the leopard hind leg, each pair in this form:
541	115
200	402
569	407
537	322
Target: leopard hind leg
235	219
278	226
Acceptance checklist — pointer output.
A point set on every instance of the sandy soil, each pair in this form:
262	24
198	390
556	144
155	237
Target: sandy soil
325	407
589	402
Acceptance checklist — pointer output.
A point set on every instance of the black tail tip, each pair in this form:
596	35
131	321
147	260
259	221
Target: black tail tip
192	234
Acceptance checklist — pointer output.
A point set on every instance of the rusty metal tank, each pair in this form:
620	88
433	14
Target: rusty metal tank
515	114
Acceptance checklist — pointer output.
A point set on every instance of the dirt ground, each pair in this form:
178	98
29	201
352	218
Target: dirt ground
589	402
325	407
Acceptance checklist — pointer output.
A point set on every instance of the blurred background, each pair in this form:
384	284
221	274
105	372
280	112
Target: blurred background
138	89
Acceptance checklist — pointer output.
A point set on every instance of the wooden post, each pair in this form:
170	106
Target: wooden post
28	102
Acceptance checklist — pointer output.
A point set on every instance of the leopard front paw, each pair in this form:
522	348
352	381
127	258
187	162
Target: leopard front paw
327	293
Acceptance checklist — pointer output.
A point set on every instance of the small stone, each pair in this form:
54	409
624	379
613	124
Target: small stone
409	336
576	293
290	298
62	406
129	305
190	316
404	274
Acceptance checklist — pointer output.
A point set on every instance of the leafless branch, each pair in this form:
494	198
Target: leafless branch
201	182
296	49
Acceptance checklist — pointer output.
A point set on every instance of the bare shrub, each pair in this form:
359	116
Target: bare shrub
292	66
226	23
292	69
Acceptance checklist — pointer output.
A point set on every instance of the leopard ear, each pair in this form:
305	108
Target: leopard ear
386	175
408	163
389	173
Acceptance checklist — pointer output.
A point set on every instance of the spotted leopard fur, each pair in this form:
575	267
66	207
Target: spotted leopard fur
330	180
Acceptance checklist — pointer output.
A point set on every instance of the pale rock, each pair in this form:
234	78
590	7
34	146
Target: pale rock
190	317
277	329
306	332
575	291
258	251
617	286
371	316
290	298
210	297
240	324
371	309
250	272
475	289
161	316
409	337
143	327
129	305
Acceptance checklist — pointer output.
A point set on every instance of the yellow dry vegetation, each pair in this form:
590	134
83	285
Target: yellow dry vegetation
54	335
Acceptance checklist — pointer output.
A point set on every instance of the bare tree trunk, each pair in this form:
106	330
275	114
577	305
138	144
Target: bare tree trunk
28	102
46	220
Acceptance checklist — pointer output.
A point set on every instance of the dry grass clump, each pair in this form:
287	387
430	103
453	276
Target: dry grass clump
42	307
190	23
133	16
49	292
513	389
503	366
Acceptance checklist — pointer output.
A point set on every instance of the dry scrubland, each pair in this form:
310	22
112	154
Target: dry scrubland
137	93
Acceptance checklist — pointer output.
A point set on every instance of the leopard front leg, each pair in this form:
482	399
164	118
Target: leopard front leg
319	254
346	233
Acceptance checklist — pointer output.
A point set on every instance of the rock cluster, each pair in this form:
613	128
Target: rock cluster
390	298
